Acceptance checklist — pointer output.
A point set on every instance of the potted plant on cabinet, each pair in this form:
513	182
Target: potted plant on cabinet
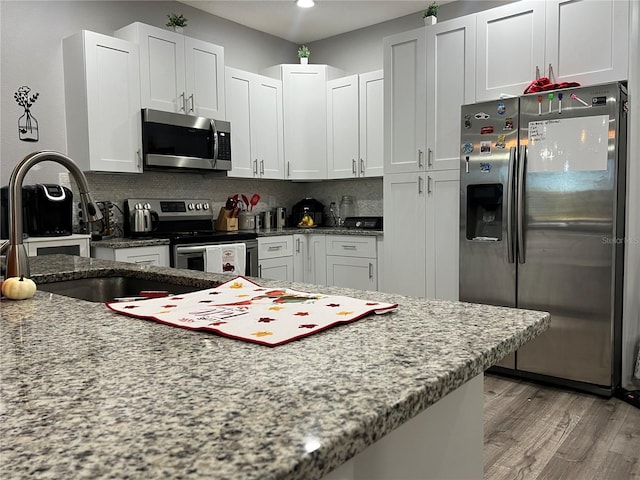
176	22
431	14
303	54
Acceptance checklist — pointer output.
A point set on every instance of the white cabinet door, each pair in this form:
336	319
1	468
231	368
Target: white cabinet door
162	67
299	257
280	268
102	88
316	261
254	108
267	127
204	81
238	107
510	45
305	121
405	101
587	40
450	83
342	127
178	73
371	124
442	234
352	272
405	233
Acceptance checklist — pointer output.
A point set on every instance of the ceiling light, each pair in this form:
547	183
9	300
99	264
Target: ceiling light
305	3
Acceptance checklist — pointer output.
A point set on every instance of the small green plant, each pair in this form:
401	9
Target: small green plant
176	20
304	52
432	10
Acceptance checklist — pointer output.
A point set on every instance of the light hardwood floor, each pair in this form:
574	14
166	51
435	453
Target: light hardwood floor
540	432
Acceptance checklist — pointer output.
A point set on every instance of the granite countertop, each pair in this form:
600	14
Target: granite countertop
88	393
146	242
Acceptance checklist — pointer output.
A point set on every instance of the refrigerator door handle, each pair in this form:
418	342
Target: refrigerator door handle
520	212
510	203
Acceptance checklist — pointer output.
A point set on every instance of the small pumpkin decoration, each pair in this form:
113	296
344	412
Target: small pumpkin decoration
18	288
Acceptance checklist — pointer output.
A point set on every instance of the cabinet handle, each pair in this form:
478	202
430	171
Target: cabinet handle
255	167
183	107
429	182
353	166
261	167
348	247
193	103
274	248
552	76
420	158
420	181
297	245
370	270
260	270
139	154
288	169
429	157
362	167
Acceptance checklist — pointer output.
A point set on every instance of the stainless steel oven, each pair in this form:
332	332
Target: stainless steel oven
188	225
192	256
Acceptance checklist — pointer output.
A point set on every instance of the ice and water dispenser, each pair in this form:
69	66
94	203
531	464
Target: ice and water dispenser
484	212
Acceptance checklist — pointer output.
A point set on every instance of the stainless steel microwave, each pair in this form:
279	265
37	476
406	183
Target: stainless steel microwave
175	141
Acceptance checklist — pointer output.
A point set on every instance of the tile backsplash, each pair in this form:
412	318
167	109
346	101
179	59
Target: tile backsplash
367	193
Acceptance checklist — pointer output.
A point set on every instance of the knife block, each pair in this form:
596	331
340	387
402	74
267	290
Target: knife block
225	222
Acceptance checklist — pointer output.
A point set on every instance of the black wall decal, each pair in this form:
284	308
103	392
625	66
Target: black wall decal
27	123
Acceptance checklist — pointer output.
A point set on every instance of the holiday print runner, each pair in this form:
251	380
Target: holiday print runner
244	310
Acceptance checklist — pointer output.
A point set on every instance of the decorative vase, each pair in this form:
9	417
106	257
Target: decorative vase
28	127
430	20
304	60
178	29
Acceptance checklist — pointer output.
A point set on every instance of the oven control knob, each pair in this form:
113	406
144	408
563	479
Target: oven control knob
358	224
198	206
205	206
147	206
190	206
138	206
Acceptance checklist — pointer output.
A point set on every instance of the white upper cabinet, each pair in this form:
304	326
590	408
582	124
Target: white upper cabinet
510	45
102	90
588	40
254	108
372	123
450	84
583	41
405	102
178	73
342	128
305	118
355	122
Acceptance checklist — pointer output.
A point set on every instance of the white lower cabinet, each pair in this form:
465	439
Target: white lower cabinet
352	262
157	255
275	257
309	259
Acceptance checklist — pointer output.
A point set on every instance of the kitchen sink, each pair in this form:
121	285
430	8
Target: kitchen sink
107	289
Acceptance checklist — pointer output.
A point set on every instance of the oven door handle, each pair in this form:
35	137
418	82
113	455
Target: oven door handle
193	249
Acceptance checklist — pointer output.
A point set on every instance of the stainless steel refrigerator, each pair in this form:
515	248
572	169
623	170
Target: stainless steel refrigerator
542	211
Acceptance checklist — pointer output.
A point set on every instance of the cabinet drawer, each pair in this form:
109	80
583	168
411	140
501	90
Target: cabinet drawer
273	247
351	246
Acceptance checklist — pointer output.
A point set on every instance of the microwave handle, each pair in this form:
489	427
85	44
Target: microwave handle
215	142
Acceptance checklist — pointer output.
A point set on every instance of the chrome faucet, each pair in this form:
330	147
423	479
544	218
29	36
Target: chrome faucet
17	259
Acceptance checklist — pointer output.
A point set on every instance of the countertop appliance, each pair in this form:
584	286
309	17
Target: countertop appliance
310	206
188	225
365	223
179	142
47	210
542	225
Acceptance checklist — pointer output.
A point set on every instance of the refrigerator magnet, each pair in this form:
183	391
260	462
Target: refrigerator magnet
467	148
481	116
501	143
501	108
467	121
485	167
486	130
485	147
508	123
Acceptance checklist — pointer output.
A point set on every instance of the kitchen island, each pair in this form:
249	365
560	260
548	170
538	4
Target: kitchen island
88	393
